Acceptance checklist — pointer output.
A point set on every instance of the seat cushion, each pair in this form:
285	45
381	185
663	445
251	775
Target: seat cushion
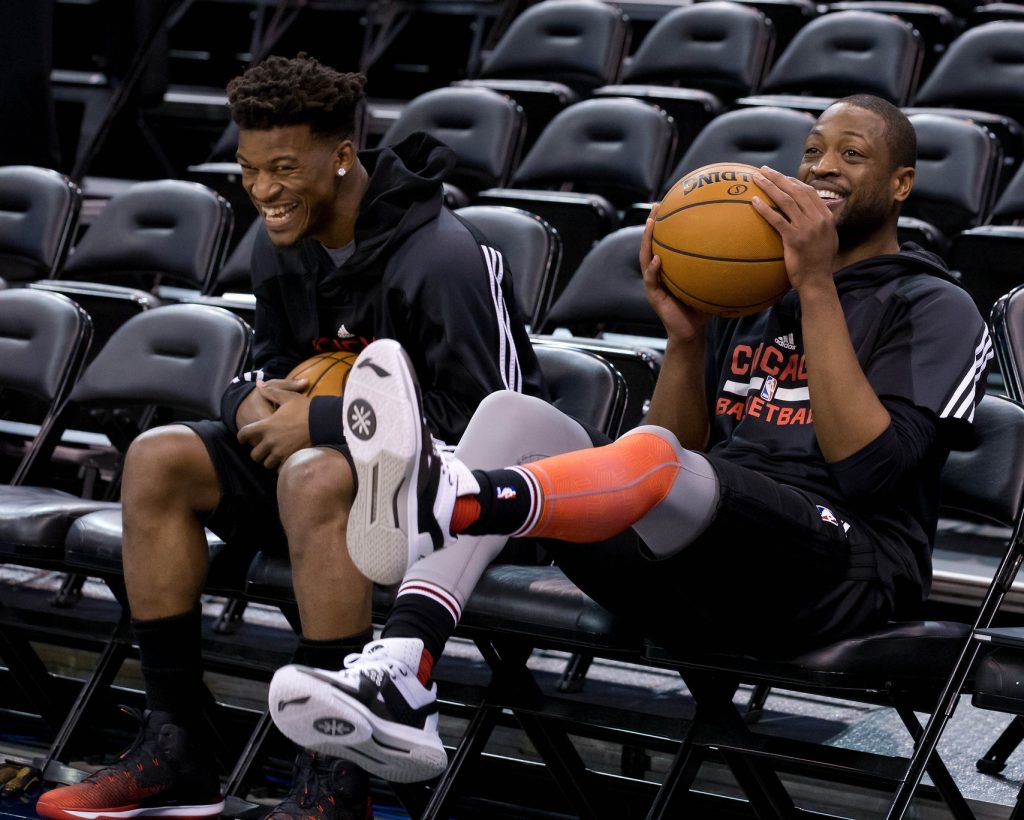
94	545
911	656
999	680
34	521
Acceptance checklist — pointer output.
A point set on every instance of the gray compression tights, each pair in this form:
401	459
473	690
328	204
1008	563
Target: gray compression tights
510	429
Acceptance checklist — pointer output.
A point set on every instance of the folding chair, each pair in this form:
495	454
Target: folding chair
787	16
484	128
958	166
531	247
988	256
1000	668
978	78
154	235
38	213
170	360
842	53
606	296
696	60
593	160
761	135
911	666
555	53
44	338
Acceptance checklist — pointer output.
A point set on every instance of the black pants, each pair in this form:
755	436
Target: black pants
771	576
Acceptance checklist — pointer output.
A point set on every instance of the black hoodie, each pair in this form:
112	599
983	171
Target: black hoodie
924	348
418	274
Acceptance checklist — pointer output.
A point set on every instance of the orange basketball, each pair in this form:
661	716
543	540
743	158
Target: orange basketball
326	372
717	253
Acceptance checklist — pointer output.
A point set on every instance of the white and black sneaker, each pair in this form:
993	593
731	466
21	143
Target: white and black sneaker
406	488
374	712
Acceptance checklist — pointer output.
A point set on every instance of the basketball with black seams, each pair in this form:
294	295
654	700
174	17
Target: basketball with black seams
326	373
718	254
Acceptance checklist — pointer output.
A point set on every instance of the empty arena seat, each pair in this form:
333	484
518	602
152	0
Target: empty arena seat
38	213
979	77
988	257
760	135
164	233
696	60
594	159
553	54
483	127
532	250
170	360
843	53
958	166
787	16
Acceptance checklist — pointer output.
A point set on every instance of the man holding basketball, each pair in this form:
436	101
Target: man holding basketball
357	247
784	493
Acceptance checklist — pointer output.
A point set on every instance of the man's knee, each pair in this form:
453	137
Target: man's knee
314	485
167	464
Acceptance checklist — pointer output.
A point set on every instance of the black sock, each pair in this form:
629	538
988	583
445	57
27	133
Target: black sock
330	654
417	616
170	654
505	502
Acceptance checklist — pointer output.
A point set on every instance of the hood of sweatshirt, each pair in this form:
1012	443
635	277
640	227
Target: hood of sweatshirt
404	192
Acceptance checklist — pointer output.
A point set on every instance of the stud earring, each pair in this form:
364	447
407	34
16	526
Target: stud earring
341	172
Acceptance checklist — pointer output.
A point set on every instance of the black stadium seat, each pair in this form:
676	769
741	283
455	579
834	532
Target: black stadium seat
170	360
532	250
696	60
483	127
979	77
553	54
154	235
842	53
592	161
958	165
38	214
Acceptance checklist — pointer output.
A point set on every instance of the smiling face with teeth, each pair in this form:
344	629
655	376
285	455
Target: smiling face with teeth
291	176
850	161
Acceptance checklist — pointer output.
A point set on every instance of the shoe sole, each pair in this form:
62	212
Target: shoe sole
383	430
167	812
315	715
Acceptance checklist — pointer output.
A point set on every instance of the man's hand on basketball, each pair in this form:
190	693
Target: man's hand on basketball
682	322
805	224
257	405
284	431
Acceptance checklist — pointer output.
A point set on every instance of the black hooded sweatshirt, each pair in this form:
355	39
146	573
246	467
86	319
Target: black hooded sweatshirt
924	348
418	275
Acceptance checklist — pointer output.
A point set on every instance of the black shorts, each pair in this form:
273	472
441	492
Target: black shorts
247	513
772	575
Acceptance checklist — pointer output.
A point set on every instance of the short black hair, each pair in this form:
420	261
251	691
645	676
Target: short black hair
899	131
297	91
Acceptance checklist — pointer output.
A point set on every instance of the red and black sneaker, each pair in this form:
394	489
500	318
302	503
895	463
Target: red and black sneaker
166	772
325	788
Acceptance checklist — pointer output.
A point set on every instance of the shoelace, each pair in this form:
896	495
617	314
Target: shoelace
137	742
382	664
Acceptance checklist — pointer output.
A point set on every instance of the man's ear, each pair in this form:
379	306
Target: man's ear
903	182
344	156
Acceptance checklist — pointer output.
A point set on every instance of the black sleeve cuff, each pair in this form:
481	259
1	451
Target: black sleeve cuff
325	420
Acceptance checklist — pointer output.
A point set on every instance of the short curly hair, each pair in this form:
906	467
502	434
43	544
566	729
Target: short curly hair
297	91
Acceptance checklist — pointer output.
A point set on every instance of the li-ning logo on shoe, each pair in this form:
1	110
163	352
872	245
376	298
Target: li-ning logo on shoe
786	341
281	704
335	727
345	333
362	421
506	493
376	368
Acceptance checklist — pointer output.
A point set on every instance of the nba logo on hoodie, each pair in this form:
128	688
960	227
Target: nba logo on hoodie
769	387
